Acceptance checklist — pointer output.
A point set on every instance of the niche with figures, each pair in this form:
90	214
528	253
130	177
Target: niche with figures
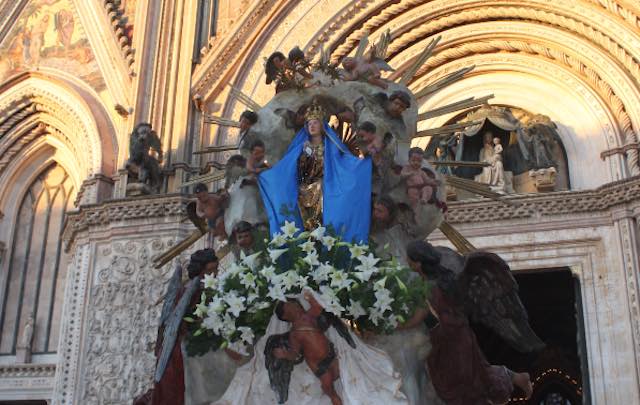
516	152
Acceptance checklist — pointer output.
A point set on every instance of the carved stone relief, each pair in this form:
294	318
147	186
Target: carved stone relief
118	358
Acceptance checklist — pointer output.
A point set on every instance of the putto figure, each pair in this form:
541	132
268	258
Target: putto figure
142	163
306	340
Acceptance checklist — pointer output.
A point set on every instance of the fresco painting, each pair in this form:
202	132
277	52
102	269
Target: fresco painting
49	35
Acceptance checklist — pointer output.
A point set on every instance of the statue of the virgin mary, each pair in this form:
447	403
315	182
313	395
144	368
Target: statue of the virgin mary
319	182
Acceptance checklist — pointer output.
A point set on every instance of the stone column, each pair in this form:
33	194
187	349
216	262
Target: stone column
626	226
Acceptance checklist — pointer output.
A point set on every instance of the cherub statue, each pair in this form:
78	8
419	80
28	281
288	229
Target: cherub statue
421	188
306	340
210	207
367	67
288	73
141	163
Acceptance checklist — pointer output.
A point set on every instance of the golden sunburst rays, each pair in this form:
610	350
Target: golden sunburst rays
422	58
453	107
244	99
461	243
445	81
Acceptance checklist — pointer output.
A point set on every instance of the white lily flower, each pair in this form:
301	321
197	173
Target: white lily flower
274	254
278	240
289	229
290	279
328	242
228	327
363	275
209	281
276	293
375	315
308	247
250	261
404	308
235	302
213	323
355	309
357	250
335	308
248	280
201	310
340	280
367	263
383	299
380	284
321	273
318	233
312	259
215	306
234	268
246	334
268	272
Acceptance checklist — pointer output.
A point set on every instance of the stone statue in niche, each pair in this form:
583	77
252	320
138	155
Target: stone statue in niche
491	153
145	153
23	351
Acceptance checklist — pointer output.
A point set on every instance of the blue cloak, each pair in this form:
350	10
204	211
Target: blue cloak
346	189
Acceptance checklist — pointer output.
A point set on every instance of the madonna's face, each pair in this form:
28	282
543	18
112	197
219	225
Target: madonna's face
314	127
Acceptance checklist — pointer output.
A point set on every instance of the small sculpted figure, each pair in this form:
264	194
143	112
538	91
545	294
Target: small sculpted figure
421	188
247	119
211	207
397	103
236	167
370	143
307	340
288	73
365	69
141	163
244	239
256	162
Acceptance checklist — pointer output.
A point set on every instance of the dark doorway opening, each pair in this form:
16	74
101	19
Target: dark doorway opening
560	371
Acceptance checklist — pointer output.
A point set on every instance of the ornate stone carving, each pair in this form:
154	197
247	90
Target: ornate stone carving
574	202
118	358
544	179
148	207
118	22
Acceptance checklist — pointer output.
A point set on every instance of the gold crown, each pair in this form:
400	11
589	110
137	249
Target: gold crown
314	112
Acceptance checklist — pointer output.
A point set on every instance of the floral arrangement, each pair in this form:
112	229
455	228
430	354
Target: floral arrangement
349	281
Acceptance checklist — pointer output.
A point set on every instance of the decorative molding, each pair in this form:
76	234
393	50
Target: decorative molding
118	210
536	205
117	19
68	371
27	371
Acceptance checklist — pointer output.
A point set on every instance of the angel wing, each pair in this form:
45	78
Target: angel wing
327	319
382	65
279	369
172	292
172	326
199	223
380	48
490	295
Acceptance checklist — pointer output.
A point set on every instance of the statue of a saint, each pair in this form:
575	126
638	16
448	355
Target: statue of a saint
310	171
491	153
319	182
